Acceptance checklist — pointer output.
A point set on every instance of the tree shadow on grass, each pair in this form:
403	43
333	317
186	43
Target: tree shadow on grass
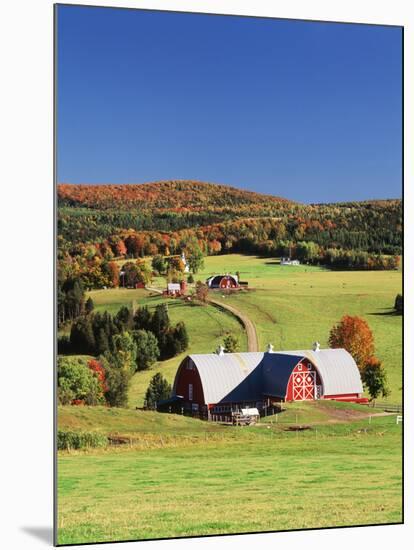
45	534
388	312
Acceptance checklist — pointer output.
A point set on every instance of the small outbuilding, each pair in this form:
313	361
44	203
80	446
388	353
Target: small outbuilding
175	289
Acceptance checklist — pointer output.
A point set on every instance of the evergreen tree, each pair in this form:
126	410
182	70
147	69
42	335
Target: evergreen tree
147	350
124	319
102	342
82	339
157	390
181	337
160	321
142	319
89	305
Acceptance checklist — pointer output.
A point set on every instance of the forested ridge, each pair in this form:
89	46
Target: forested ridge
163	214
175	194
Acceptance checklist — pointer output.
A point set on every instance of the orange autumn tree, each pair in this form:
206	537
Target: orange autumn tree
353	334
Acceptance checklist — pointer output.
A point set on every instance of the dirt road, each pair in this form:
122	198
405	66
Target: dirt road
252	340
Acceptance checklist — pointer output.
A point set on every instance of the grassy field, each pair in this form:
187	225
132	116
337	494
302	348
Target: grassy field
292	306
351	470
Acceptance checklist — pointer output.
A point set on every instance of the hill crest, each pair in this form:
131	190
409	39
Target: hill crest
161	194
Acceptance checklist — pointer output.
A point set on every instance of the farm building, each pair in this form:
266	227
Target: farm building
219	383
223	281
175	289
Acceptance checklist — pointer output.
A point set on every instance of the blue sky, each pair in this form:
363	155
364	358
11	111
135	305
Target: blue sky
308	111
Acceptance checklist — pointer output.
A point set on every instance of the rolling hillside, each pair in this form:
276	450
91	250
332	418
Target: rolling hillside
169	214
175	195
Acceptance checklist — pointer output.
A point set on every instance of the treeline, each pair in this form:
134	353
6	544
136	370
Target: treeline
373	227
150	332
311	253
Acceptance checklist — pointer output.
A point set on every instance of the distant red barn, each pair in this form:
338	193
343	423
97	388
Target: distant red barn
223	281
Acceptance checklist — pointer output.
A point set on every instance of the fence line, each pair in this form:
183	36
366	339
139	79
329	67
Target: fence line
389	407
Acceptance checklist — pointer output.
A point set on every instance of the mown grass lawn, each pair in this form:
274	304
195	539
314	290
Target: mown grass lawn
348	474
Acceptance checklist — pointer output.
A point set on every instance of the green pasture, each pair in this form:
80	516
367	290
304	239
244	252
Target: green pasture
262	479
292	306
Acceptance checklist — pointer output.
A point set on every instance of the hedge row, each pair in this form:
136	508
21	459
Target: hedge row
80	440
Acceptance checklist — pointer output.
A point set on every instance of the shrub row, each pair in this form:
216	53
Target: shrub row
80	440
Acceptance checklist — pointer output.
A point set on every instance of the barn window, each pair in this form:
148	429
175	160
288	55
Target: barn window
190	392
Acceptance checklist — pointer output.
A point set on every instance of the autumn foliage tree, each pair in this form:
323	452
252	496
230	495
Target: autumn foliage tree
201	291
354	335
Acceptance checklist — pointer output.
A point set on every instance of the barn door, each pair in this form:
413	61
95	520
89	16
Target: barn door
304	385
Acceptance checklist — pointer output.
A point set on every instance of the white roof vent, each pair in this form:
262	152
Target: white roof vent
269	348
316	346
220	350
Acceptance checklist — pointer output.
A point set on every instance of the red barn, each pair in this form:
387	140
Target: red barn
223	382
223	281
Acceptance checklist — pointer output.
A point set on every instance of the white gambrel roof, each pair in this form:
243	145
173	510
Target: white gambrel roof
338	371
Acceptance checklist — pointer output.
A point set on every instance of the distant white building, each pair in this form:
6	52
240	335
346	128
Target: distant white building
289	261
173	288
186	266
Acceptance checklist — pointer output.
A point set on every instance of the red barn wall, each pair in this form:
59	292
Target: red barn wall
228	282
187	376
